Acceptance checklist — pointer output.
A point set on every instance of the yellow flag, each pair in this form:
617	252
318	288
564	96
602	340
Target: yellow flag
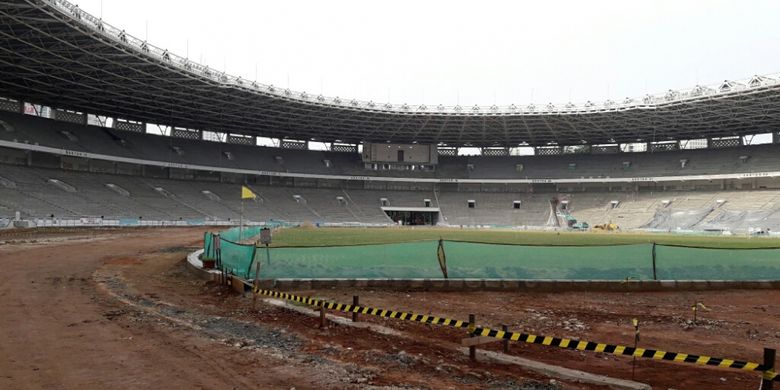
246	193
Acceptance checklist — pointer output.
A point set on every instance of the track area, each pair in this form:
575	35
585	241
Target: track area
95	309
60	331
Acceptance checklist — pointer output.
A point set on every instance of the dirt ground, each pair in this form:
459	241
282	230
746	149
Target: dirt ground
118	308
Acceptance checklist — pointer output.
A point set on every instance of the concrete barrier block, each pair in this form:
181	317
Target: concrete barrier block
320	283
417	284
237	285
454	284
399	284
527	285
345	283
493	284
438	284
510	285
700	285
601	285
764	284
472	284
685	285
718	285
274	284
379	283
537	285
303	284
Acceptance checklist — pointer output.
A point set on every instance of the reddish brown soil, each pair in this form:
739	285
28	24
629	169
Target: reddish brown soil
737	325
58	331
64	327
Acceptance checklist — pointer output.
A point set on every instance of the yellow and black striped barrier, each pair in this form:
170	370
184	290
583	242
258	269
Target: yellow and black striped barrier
424	318
579	345
621	350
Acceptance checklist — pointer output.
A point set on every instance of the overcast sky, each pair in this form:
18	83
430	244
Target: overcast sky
475	52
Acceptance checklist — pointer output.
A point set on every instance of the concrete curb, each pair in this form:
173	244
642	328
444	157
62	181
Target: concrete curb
195	267
522	285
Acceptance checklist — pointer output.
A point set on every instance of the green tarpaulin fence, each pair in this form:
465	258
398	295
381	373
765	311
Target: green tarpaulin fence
480	260
227	249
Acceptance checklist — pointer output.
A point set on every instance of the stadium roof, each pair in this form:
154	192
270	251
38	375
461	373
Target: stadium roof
53	53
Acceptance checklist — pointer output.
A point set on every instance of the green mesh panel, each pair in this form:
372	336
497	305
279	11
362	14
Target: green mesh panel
471	260
717	264
478	260
237	234
237	258
209	252
407	260
464	260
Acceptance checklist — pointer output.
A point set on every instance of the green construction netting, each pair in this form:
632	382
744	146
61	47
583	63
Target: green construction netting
679	263
209	251
234	257
406	260
238	234
464	260
472	260
479	260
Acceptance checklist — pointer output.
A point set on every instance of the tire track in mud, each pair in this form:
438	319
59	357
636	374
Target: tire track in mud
245	336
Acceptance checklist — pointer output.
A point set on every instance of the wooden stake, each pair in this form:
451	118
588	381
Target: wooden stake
769	362
505	341
322	316
355	303
472	349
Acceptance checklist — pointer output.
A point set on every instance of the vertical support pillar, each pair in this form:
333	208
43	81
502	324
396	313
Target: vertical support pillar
355	303
769	363
473	348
